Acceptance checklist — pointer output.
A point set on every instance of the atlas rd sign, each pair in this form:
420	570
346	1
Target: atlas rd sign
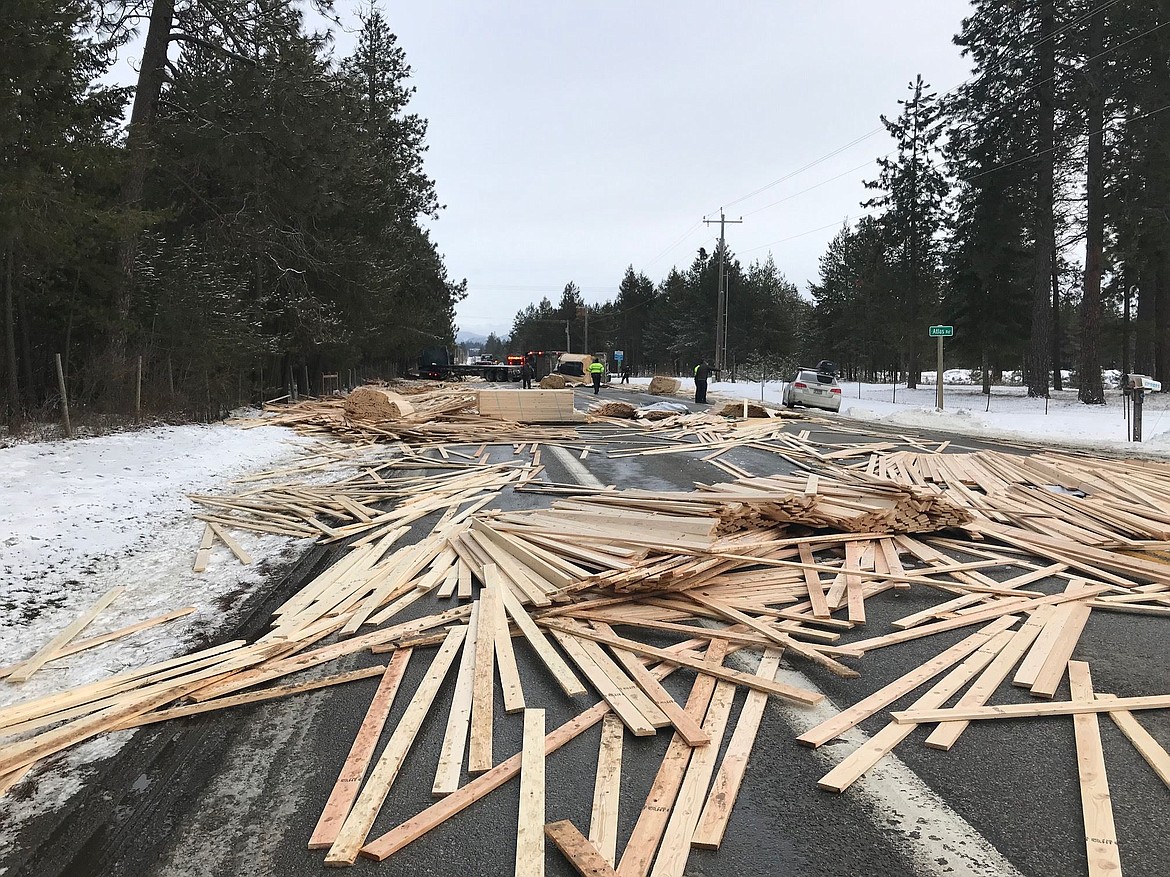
942	331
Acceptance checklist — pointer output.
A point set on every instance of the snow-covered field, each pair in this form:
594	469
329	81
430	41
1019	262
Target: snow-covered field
79	518
1007	414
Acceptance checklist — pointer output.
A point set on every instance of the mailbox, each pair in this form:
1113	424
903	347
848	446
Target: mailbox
1143	382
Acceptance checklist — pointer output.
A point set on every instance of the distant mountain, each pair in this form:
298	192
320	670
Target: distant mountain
465	337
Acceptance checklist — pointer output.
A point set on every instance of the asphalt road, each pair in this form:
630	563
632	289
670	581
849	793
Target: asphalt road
238	792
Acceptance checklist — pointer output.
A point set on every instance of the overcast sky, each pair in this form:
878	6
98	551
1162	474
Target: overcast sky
571	139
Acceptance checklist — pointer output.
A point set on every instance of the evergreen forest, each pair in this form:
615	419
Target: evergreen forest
250	215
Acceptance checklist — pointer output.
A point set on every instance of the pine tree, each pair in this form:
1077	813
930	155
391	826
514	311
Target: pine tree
912	191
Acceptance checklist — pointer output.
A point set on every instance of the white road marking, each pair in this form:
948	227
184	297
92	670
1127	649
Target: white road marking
578	472
936	839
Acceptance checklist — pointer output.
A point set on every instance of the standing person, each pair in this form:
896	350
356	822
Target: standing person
596	370
702	372
526	374
625	372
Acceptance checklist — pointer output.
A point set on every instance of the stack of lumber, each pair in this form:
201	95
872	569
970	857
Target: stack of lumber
554	381
529	406
663	386
376	403
854	505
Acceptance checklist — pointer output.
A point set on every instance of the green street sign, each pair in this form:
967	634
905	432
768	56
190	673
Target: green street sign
942	331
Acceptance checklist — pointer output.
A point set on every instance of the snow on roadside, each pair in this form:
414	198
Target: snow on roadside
1012	416
79	518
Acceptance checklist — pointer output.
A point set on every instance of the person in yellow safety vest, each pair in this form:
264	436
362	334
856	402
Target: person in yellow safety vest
596	370
702	372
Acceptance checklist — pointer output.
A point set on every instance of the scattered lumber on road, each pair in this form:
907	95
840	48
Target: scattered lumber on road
1020	552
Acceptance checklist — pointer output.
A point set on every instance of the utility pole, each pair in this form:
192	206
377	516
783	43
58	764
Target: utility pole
721	305
568	343
584	312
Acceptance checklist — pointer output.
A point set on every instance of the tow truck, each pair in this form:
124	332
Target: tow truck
438	364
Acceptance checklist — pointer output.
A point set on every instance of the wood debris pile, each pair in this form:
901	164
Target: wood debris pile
783	566
622	410
376	403
664	386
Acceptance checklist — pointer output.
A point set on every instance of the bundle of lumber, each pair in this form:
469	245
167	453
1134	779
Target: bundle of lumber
854	505
376	403
664	386
554	381
529	406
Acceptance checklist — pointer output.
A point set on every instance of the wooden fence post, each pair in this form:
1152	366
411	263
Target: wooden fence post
138	392
64	398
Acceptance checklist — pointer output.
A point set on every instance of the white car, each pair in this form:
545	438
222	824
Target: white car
814	389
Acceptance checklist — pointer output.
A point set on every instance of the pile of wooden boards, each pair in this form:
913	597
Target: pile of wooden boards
783	566
852	504
529	406
553	382
376	403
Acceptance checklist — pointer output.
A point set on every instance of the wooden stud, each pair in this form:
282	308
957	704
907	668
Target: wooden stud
717	811
580	853
1096	805
603	821
361	818
450	766
53	646
479	753
530	825
353	771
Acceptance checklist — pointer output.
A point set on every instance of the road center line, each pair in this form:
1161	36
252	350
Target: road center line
576	471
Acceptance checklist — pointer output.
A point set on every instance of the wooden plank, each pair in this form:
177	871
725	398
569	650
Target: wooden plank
812	580
1030	667
633	693
1149	748
403	835
853	582
577	850
464	592
1033	710
54	645
997	611
450	766
80	645
353	771
1052	671
691	731
652	820
545	650
530	824
250	697
717	811
947	733
203	555
850	769
675	848
361	818
631	716
789	692
883	697
505	656
8	780
607	786
243	556
1096	805
479	753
